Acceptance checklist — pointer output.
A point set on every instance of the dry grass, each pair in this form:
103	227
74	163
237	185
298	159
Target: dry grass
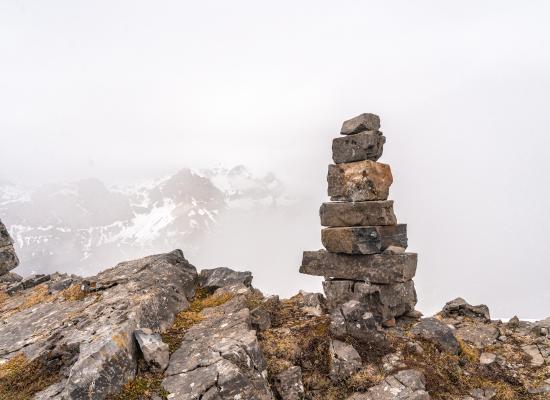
74	293
20	378
191	316
3	297
143	387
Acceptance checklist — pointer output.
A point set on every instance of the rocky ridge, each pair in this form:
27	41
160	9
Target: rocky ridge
155	328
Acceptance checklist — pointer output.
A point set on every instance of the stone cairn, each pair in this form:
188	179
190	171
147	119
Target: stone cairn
365	258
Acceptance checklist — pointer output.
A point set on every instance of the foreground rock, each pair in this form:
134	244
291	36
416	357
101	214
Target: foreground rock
405	385
8	258
366	145
92	324
219	358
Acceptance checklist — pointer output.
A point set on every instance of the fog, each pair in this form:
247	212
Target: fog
125	91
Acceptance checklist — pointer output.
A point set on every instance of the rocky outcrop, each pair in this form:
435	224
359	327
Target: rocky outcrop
87	330
8	258
220	357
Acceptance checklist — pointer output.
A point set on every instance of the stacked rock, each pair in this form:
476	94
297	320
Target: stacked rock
365	258
8	258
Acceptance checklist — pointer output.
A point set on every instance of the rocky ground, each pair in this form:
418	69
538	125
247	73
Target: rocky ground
154	328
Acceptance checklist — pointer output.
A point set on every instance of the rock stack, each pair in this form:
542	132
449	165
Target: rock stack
365	258
8	258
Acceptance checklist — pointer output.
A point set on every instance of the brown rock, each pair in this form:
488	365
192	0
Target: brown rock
361	213
364	239
383	301
359	181
374	268
366	145
363	122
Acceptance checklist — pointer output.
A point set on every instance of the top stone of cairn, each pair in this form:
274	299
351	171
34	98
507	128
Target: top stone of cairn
363	122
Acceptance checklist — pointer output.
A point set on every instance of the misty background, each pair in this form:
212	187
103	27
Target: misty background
122	123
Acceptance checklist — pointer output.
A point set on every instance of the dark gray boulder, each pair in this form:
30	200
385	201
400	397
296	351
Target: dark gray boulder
216	278
366	145
460	307
383	301
435	331
364	239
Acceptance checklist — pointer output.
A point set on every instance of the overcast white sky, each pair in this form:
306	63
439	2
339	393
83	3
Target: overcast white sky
124	89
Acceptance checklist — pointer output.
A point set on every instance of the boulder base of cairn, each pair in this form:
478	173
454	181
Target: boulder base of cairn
384	301
361	213
366	145
359	181
364	239
363	122
374	268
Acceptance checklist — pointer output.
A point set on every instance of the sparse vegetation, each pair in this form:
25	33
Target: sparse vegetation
20	378
191	316
143	387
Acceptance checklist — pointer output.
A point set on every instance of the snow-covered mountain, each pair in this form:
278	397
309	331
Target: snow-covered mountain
84	226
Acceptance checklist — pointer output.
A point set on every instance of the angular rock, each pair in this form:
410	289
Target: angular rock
361	213
479	334
362	122
155	352
288	384
487	358
364	239
344	360
459	306
8	258
216	278
10	277
29	282
366	145
312	304
359	181
91	340
353	319
220	352
437	332
383	301
534	354
405	385
374	268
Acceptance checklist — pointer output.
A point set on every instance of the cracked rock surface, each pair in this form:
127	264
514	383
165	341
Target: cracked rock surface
219	358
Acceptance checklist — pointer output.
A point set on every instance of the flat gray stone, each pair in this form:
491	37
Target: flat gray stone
288	384
344	360
405	385
364	239
359	181
360	123
437	332
360	213
374	268
366	145
383	301
155	352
